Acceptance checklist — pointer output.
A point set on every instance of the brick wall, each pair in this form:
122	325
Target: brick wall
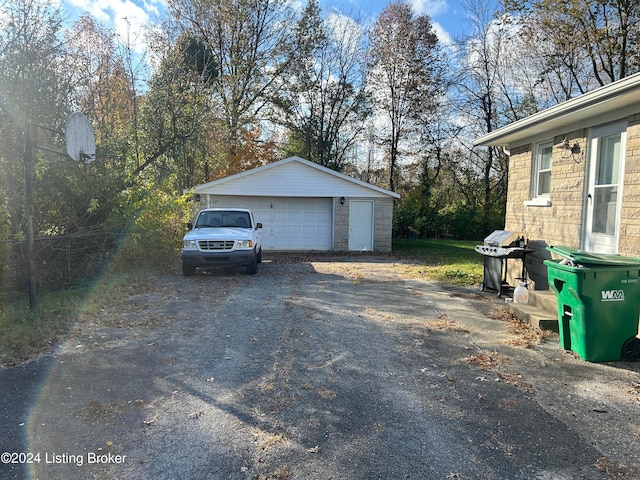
341	226
383	224
561	223
630	216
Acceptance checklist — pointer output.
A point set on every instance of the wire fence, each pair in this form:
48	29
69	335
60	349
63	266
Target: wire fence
61	261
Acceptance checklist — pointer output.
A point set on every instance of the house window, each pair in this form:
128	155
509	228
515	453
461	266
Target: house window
542	170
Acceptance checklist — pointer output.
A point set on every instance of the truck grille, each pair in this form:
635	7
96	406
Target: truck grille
215	244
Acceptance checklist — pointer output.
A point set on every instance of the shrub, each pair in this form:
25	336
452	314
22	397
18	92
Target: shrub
154	224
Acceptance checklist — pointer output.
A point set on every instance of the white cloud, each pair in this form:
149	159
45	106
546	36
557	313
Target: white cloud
430	7
344	28
434	8
443	36
127	18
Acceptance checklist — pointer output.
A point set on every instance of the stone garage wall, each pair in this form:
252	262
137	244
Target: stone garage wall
383	224
382	227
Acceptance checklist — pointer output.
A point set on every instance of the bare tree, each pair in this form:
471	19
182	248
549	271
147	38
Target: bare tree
485	101
248	39
323	99
401	57
585	40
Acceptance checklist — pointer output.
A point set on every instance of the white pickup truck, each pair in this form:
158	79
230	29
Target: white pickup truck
222	237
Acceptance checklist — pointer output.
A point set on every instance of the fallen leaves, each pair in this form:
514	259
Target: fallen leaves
634	390
515	379
493	362
527	335
614	469
449	377
486	360
445	324
329	394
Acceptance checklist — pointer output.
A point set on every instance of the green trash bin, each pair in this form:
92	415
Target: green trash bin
598	304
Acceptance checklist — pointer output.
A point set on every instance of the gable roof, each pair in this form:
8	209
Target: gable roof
605	104
293	177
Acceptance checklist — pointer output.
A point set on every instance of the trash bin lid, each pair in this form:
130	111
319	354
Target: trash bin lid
581	257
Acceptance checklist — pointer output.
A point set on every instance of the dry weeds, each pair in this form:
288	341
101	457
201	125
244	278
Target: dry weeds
267	440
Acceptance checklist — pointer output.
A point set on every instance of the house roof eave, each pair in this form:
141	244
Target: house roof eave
613	101
222	181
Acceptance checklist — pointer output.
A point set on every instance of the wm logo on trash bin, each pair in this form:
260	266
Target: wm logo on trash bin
612	295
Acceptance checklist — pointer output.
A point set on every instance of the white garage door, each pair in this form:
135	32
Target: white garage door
288	223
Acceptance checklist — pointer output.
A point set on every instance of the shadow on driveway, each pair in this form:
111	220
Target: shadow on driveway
306	370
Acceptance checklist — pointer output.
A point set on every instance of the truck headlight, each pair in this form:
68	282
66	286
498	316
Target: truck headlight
244	244
189	244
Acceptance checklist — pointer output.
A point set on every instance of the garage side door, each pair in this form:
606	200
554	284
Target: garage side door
289	223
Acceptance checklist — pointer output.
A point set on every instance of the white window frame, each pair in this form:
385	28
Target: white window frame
540	198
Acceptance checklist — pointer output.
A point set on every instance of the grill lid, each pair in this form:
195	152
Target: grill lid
503	238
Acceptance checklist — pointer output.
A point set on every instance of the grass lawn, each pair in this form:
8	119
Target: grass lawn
450	261
25	332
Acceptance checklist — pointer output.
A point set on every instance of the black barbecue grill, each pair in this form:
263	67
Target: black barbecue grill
499	246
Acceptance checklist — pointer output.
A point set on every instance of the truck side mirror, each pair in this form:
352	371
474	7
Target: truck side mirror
258	225
189	226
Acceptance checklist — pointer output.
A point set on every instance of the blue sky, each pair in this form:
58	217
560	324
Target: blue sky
128	16
447	16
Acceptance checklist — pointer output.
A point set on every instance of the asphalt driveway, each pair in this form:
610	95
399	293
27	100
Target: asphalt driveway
342	368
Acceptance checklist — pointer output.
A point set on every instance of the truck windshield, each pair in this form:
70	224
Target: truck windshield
223	219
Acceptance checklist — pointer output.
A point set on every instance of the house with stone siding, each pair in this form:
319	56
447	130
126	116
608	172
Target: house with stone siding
574	176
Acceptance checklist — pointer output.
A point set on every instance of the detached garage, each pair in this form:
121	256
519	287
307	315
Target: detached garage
304	206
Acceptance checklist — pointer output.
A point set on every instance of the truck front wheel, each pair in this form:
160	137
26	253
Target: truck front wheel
252	268
188	270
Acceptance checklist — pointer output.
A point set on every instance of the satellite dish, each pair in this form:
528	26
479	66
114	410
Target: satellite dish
79	138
